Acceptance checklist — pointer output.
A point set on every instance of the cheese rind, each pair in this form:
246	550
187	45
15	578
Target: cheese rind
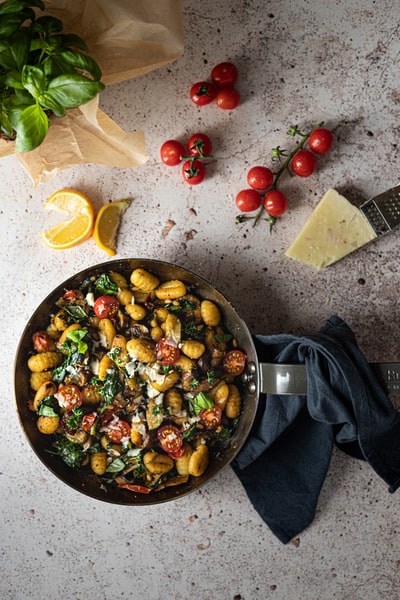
334	229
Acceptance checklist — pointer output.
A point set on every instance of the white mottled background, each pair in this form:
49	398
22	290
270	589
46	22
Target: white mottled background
299	62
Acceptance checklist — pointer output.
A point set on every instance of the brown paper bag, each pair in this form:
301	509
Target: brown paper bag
127	38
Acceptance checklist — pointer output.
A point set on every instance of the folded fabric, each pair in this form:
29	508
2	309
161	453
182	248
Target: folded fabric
284	461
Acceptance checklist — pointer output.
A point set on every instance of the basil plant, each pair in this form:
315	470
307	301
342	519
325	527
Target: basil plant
42	72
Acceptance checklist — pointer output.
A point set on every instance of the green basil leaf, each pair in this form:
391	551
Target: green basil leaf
15	6
82	62
32	128
5	123
53	66
33	80
14	52
49	103
47	25
13	79
69	40
10	23
116	466
74	90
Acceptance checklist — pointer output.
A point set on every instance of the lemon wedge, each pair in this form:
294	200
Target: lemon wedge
107	223
77	228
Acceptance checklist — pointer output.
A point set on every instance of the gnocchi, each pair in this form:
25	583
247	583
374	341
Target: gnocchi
142	398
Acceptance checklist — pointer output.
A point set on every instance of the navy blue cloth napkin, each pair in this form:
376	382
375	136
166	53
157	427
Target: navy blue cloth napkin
284	461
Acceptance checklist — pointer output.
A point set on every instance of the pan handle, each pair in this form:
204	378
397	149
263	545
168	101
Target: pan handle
291	380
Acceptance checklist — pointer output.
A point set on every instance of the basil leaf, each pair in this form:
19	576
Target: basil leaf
77	337
82	62
104	285
32	128
46	101
76	312
74	90
200	401
14	52
47	25
13	79
71	453
33	80
10	6
116	466
70	39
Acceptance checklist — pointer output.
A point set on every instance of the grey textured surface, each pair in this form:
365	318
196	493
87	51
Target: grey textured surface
299	63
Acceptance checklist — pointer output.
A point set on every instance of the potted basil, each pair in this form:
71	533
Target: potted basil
43	72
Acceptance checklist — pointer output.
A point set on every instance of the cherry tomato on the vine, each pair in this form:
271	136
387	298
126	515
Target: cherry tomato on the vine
275	203
106	307
171	152
167	351
303	163
224	74
199	144
260	178
234	362
320	140
193	172
227	98
248	200
202	93
69	396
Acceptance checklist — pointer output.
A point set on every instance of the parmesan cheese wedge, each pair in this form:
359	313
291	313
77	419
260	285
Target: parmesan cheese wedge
334	229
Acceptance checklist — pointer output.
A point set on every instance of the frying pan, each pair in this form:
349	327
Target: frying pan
86	482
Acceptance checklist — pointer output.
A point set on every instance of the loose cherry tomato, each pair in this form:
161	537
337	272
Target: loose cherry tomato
260	178
234	362
248	200
106	307
167	351
275	203
211	417
320	140
193	172
88	421
118	430
177	454
170	438
303	163
171	152
69	396
227	98
224	74
202	93
199	144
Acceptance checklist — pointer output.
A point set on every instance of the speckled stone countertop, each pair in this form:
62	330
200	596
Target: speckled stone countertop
299	63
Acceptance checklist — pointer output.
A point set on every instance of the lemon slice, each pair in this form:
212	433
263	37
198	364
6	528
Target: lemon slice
77	228
107	224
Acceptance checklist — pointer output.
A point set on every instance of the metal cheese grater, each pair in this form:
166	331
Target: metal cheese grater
383	211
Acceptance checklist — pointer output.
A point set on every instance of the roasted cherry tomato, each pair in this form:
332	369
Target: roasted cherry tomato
171	152
70	295
199	144
303	163
106	307
118	430
260	178
248	200
88	421
69	396
211	417
167	351
177	454
275	203
224	74
320	140
202	93
234	362
170	438
140	489
193	172
227	98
